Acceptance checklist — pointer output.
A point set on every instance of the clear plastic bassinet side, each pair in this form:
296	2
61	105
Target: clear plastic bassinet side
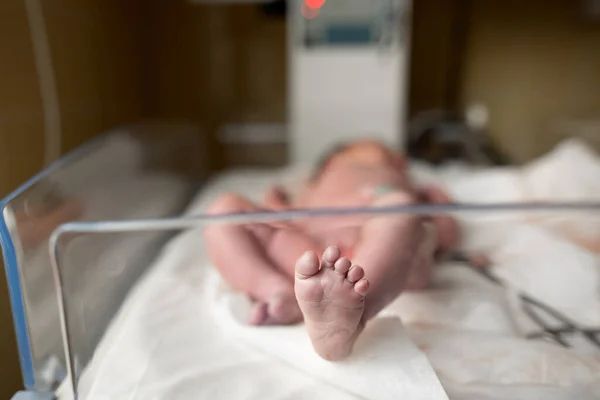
183	316
144	171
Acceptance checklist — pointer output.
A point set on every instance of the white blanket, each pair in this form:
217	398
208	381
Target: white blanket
167	344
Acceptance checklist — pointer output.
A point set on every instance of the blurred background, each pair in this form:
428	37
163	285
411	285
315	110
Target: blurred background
525	72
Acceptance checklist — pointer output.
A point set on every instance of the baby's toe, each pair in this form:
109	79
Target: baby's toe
330	256
356	273
362	287
342	266
307	265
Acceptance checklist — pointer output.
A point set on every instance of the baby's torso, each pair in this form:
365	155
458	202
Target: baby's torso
353	185
348	186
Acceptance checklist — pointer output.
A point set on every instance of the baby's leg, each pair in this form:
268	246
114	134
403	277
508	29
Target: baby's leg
251	258
393	250
332	297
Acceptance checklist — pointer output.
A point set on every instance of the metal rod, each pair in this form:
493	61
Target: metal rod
187	222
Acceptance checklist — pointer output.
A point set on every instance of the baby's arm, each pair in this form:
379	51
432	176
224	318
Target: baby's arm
276	199
446	226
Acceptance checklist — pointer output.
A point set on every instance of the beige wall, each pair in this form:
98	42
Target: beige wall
533	63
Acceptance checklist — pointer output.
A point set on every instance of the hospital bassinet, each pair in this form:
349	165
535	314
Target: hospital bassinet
69	282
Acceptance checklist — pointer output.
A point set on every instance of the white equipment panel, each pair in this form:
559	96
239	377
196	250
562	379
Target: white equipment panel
348	74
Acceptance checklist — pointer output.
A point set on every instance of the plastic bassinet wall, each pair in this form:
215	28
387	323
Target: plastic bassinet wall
132	173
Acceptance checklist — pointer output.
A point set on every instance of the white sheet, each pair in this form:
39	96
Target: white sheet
165	344
384	365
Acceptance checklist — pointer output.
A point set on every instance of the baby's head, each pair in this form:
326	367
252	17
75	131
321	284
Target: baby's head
361	152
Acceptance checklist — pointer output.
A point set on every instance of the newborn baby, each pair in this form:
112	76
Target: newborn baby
365	262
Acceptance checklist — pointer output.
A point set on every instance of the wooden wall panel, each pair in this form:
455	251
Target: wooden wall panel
173	46
261	67
435	52
21	150
120	44
533	63
21	118
214	64
95	45
227	64
178	38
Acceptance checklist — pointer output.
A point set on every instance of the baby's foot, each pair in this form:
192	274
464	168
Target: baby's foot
332	298
280	309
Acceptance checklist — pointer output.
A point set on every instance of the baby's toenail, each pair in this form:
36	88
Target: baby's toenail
307	256
331	253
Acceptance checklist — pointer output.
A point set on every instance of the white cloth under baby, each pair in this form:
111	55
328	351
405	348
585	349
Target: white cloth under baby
385	363
167	342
